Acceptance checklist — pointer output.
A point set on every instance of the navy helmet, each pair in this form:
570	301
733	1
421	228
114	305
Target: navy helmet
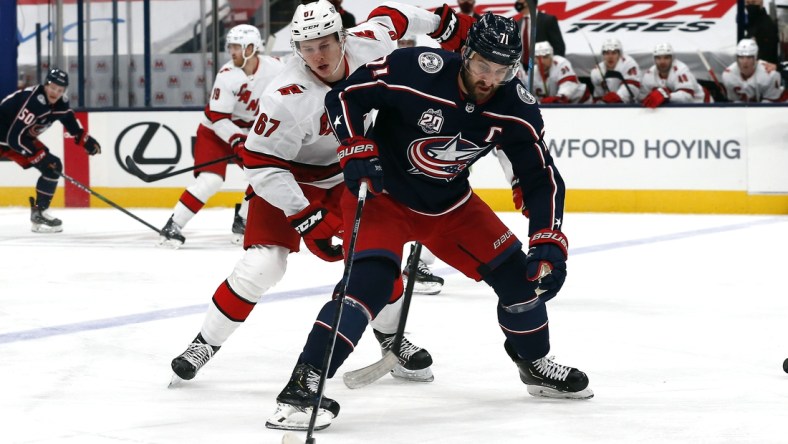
58	77
495	38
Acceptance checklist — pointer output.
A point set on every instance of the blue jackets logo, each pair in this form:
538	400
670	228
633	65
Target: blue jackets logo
442	157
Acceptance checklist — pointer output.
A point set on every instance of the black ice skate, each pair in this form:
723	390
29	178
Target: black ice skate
188	363
171	235
544	377
43	222
414	361
295	402
239	227
426	282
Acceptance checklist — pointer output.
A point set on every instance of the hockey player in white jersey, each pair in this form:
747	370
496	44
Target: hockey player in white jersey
617	77
229	114
746	80
555	80
670	80
291	163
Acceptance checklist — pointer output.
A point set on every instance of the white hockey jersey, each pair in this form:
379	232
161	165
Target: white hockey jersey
759	87
629	90
292	141
561	81
235	97
681	83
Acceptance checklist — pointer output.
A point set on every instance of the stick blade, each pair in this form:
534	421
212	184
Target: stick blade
371	373
135	170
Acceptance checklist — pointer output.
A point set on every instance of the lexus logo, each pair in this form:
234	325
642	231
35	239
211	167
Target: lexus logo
140	137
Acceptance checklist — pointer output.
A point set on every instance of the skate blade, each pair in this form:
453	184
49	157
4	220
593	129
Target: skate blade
288	417
169	243
427	288
546	392
41	228
423	375
175	382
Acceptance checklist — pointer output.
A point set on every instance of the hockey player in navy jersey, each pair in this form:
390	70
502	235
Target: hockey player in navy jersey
439	112
24	115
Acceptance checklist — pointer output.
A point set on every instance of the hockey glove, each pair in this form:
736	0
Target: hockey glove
612	97
555	99
548	248
89	143
358	157
452	29
656	97
238	144
317	226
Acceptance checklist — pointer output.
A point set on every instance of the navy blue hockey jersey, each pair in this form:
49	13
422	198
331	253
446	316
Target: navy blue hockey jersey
429	133
25	114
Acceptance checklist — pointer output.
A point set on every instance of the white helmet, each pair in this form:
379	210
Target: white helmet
747	48
663	49
315	20
542	49
611	44
244	35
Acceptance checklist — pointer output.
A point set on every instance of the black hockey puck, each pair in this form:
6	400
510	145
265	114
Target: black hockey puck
785	366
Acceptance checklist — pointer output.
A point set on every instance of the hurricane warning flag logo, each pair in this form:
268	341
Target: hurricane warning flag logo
442	157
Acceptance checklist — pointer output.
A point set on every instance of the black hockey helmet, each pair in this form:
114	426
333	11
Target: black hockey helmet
58	77
495	38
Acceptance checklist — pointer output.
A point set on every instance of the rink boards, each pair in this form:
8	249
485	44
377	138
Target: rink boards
618	159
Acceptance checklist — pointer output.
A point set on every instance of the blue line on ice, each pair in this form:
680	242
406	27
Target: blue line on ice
157	315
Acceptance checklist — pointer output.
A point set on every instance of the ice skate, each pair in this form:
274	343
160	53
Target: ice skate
239	227
295	402
426	282
43	222
171	235
544	377
188	363
414	361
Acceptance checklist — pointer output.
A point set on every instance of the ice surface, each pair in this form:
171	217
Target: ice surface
680	321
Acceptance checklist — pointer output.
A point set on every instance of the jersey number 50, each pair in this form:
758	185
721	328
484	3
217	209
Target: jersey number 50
262	122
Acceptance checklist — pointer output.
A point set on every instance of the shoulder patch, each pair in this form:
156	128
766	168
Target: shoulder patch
524	95
430	62
40	98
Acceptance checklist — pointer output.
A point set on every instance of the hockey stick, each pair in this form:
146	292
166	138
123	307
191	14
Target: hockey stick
613	74
147	178
712	74
371	373
532	43
288	438
596	63
111	203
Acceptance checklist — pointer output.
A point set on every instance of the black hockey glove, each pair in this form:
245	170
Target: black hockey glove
358	157
89	143
452	29
548	251
317	227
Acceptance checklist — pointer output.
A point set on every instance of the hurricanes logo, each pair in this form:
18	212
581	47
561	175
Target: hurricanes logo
442	157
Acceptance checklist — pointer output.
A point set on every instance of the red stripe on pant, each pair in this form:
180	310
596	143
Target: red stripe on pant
191	202
232	305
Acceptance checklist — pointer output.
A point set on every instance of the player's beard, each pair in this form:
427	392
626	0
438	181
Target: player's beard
473	88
